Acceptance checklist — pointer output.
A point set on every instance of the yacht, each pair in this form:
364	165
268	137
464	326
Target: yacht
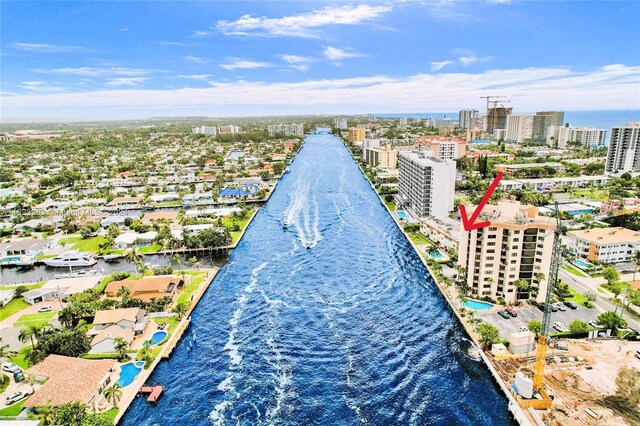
309	245
71	259
285	224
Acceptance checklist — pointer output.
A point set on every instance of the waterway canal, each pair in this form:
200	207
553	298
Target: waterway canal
350	331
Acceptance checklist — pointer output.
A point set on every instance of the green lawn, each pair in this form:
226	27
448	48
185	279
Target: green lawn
6	382
391	206
235	235
574	271
88	244
150	249
29	286
12	410
418	238
576	297
591	193
196	281
171	321
13	307
20	359
35	319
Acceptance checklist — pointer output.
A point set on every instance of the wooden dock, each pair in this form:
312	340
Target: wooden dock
154	393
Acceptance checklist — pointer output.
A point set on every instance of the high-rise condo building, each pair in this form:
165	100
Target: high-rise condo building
444	148
340	123
356	134
567	137
385	156
367	144
519	128
402	121
286	129
228	129
497	118
506	258
624	149
466	118
542	121
426	184
205	130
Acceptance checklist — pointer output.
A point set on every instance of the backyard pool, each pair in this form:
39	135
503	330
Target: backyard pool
477	305
581	264
157	337
401	214
436	254
128	372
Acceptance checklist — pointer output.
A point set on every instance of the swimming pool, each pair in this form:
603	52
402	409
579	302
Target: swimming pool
401	214
477	305
157	337
436	254
581	264
128	372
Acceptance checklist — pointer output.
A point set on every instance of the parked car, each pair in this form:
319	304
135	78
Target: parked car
45	309
554	307
638	354
571	305
511	311
10	367
560	307
504	314
558	326
15	397
18	376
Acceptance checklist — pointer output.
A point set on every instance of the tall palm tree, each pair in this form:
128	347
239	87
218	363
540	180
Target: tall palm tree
30	379
123	292
635	259
133	256
45	413
30	332
121	346
113	394
6	353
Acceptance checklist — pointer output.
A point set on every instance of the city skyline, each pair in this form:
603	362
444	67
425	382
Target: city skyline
226	59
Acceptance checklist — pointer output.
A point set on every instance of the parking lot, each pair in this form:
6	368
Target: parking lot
511	325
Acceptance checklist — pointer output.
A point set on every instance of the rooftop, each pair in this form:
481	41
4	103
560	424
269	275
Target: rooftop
607	235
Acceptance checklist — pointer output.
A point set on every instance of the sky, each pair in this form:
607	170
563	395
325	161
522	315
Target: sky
121	60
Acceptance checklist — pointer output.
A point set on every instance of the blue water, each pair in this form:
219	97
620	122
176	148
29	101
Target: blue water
157	337
350	331
401	214
581	264
436	254
477	305
128	372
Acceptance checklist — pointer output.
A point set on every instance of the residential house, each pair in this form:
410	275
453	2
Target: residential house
128	240
61	288
134	319
147	287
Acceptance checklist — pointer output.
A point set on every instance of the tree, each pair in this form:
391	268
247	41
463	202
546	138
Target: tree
577	326
85	232
45	413
113	394
590	297
489	334
19	291
30	379
70	414
30	332
181	308
610	319
145	354
133	256
535	326
121	347
6	353
635	259
611	275
522	286
123	292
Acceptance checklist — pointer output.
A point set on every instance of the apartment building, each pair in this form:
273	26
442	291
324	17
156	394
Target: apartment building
228	129
384	156
402	121
611	245
626	205
542	121
444	148
340	123
466	118
205	130
624	149
519	128
517	245
510	169
426	184
286	129
561	136
356	134
368	144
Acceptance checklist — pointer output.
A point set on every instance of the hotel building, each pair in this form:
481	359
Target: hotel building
624	149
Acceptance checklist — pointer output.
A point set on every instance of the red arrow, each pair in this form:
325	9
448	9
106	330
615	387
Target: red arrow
470	223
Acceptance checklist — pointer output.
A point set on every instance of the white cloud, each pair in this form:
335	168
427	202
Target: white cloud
125	81
195	59
196	76
528	88
300	63
335	54
472	59
303	25
437	66
97	72
201	33
123	29
48	48
242	64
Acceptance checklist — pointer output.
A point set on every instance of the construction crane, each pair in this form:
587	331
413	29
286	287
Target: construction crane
543	340
495	100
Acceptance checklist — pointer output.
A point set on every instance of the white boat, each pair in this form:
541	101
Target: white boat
76	274
71	259
285	224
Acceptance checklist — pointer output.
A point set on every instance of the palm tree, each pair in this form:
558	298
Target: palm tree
145	354
181	308
521	285
45	413
121	347
30	379
6	353
123	292
29	332
635	259
113	394
133	256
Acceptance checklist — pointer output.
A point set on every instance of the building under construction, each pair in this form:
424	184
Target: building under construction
497	118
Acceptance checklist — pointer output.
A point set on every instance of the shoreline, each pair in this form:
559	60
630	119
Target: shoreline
514	408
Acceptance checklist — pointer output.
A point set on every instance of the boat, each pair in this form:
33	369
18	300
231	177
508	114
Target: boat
287	170
112	257
77	274
285	224
71	259
309	245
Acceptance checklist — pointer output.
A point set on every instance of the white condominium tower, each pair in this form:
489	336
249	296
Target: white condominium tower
506	258
561	136
466	118
426	184
624	149
286	129
519	128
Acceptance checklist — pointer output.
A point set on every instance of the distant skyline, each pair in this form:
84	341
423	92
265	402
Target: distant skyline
121	60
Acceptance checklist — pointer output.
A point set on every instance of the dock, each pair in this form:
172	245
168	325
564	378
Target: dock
154	393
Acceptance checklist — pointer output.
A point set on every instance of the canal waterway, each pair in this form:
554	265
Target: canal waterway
349	331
